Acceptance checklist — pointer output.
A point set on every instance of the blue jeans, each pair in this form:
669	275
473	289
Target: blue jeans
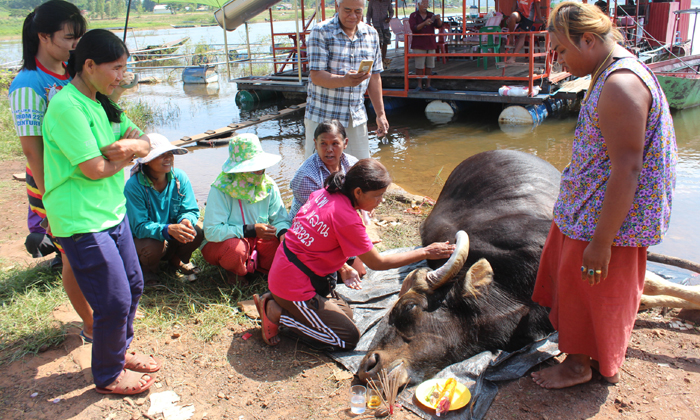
107	269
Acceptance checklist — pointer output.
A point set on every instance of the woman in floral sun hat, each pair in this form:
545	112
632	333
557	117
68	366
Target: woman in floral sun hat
245	217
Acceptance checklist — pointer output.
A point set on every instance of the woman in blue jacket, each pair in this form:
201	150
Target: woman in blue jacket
162	210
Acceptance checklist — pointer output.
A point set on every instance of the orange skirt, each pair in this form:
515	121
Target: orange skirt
593	320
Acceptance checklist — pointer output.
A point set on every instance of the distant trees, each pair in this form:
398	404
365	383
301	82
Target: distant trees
23	4
148	5
96	8
100	8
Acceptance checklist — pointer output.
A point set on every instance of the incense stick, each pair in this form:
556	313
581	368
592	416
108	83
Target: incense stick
390	387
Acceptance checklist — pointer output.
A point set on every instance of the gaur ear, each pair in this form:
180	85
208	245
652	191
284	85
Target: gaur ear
479	276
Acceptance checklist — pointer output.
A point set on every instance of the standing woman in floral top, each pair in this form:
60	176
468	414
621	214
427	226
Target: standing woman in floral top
614	202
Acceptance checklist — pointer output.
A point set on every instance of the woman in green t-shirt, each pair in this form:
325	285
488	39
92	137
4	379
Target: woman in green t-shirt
88	141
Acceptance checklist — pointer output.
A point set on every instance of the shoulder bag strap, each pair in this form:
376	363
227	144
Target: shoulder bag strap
240	205
322	285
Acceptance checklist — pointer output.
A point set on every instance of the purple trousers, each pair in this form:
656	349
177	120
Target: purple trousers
107	269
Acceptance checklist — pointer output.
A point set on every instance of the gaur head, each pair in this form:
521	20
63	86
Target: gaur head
428	327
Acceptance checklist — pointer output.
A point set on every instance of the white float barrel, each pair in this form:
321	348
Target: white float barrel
523	115
441	112
530	114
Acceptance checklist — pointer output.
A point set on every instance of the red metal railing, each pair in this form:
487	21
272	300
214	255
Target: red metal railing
291	51
531	55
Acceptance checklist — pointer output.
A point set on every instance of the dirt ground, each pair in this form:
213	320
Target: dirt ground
238	377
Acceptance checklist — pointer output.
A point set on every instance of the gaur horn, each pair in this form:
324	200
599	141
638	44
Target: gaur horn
440	276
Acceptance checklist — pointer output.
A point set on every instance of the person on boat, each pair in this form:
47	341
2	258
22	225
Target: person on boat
424	22
336	90
614	201
527	13
49	34
245	218
162	210
325	232
379	14
88	141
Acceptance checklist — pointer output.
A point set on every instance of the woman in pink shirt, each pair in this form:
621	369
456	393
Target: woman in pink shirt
325	232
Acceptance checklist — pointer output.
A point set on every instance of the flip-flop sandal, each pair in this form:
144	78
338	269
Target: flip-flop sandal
141	363
128	384
269	329
188	269
85	337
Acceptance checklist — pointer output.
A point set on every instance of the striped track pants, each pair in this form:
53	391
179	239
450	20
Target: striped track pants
325	320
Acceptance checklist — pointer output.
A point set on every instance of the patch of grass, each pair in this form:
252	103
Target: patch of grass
145	115
207	304
10	147
27	300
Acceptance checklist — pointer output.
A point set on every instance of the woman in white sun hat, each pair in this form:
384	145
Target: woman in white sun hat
245	217
162	210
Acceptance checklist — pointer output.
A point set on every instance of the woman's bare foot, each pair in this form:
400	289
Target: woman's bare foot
612	379
574	370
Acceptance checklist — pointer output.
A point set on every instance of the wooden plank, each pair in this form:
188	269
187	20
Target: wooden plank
575	86
231	128
572	88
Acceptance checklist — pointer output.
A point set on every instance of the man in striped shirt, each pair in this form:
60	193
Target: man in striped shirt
336	90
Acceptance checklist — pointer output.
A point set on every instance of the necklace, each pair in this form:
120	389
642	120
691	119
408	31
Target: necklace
595	75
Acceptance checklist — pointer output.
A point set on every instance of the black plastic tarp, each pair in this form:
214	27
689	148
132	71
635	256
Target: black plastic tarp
479	373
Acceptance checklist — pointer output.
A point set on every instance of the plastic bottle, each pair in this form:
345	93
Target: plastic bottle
517	90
